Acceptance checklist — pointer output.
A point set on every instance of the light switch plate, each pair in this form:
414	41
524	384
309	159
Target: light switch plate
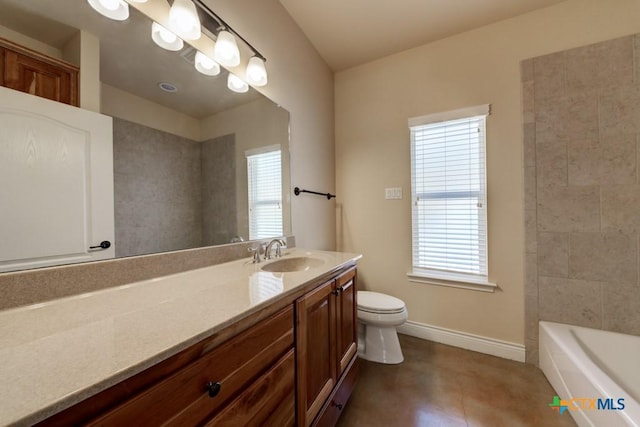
394	193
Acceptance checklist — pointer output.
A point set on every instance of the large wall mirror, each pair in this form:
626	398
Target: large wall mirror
182	141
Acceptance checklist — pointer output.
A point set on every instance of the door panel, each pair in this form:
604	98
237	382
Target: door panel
56	166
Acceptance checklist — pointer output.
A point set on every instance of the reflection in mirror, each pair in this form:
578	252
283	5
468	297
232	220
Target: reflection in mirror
181	139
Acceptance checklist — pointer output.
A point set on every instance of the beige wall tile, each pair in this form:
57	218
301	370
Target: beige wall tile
620	110
551	163
621	308
530	234
553	254
567	117
528	103
531	320
603	257
581	68
600	65
577	302
548	73
621	208
615	62
584	161
529	138
531	275
612	159
530	188
526	70
566	209
618	159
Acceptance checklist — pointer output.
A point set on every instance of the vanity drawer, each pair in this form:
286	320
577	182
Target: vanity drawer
268	401
185	398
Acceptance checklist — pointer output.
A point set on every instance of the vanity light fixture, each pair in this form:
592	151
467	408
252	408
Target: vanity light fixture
206	65
184	20
117	10
184	24
236	84
165	38
256	72
226	50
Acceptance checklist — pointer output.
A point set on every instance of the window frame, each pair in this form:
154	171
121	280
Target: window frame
250	202
442	277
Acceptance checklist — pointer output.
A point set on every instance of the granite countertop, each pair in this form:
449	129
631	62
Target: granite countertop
58	353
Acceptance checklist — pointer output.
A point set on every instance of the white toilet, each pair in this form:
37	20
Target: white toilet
378	316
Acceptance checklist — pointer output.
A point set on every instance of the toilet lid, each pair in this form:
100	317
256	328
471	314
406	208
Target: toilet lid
379	303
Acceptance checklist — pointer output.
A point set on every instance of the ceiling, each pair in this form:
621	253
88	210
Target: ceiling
347	33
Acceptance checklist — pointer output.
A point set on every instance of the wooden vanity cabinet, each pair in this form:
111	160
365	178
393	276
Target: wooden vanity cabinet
259	371
326	343
249	380
29	71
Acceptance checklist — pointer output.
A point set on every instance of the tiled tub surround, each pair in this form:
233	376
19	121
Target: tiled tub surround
55	354
582	188
171	193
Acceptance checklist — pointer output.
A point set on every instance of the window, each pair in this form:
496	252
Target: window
264	178
448	189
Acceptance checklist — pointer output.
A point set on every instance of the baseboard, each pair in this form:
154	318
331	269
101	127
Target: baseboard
504	349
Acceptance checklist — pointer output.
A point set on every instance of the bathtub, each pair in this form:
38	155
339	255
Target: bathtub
588	364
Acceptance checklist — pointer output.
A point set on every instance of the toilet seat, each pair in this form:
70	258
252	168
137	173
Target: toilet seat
377	303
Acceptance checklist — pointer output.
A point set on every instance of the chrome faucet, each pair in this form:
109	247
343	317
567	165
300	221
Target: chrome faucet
279	244
256	254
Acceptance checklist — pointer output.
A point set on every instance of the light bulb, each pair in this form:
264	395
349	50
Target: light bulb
110	4
113	9
206	65
226	50
165	38
256	72
184	21
236	84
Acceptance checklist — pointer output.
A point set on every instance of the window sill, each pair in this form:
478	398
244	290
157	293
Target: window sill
460	283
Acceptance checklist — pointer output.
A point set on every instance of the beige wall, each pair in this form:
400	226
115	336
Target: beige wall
302	83
31	43
372	105
118	103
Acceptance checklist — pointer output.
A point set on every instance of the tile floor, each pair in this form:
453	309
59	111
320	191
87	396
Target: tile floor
439	385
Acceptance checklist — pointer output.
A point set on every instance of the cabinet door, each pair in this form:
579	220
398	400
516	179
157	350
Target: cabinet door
316	362
347	319
37	77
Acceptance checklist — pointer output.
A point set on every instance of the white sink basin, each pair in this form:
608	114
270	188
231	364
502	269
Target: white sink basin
288	265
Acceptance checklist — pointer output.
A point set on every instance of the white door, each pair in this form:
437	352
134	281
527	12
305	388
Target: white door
56	183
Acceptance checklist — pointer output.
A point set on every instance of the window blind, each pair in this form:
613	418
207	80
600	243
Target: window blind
449	213
264	176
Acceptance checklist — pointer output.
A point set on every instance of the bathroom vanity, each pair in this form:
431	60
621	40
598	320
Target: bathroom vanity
229	344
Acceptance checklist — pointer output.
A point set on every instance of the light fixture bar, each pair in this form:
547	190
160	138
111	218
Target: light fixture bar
227	27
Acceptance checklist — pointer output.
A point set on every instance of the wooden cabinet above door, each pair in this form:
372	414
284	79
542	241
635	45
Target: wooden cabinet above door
29	71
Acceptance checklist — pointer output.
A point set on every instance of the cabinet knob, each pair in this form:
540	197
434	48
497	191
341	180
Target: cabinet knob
213	388
338	291
337	405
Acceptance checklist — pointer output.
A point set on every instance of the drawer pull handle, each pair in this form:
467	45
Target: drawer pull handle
337	405
213	388
338	291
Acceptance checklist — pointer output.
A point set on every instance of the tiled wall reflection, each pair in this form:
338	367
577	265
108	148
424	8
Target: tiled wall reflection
582	188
